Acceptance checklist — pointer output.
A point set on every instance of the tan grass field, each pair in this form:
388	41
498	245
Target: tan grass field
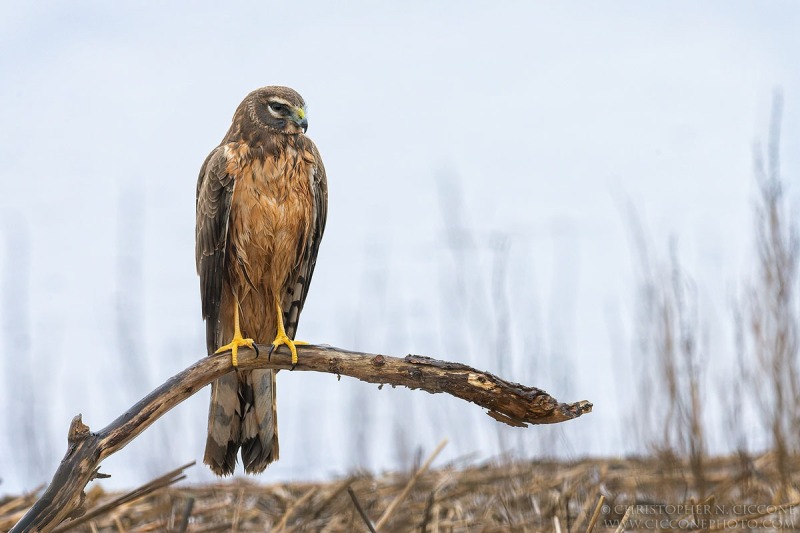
640	494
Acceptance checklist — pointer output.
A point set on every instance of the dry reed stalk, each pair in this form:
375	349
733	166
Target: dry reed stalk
624	520
360	510
596	514
296	504
387	514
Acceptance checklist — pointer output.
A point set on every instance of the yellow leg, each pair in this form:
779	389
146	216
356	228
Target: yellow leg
282	338
238	340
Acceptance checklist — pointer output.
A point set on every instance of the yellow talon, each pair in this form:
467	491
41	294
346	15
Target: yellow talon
234	345
237	341
283	338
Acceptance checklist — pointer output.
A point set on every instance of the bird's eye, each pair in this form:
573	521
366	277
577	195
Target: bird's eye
278	108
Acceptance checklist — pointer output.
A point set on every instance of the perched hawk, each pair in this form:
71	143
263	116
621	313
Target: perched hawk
261	205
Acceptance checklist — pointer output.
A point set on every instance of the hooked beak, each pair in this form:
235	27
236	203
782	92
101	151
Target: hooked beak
300	118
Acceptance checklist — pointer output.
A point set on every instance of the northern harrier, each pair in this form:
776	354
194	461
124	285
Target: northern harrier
261	205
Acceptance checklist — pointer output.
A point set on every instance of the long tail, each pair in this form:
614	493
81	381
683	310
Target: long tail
242	414
224	425
259	433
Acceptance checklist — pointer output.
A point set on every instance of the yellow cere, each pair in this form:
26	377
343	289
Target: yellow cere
301	114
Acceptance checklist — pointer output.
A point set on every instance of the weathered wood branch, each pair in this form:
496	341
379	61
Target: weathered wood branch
511	403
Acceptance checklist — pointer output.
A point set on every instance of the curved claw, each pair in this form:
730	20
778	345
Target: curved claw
283	339
234	346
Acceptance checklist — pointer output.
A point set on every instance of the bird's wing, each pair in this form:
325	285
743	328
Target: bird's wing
296	288
214	193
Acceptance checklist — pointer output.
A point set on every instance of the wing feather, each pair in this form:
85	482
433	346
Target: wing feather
214	194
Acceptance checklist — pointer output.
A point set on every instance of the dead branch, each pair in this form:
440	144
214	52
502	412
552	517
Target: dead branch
511	403
160	482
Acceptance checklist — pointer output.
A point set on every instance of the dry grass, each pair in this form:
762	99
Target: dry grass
771	307
500	496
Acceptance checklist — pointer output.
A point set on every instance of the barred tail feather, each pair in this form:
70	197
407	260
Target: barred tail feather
259	433
224	426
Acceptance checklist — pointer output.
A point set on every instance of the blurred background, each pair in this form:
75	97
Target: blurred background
563	194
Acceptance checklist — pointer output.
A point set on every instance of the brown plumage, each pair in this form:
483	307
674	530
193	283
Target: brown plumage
261	209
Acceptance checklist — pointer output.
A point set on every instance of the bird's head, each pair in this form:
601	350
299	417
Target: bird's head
279	109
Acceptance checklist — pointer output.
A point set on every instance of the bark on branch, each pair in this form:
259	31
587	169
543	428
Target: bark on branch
511	403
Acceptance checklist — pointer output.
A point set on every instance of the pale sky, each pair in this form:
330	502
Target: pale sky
528	125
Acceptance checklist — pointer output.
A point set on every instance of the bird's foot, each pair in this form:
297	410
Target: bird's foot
282	338
237	342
